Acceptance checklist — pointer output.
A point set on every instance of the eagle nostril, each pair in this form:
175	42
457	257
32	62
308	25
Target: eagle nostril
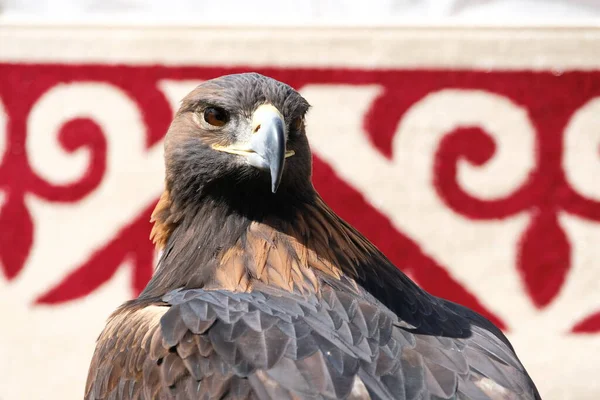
256	128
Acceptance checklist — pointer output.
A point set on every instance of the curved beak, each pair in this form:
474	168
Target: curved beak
268	142
266	148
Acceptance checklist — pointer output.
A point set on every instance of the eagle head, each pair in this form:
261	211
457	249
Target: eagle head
242	132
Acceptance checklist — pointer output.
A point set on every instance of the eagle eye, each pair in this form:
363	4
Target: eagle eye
216	116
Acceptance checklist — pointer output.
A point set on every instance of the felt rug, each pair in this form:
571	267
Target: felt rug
469	156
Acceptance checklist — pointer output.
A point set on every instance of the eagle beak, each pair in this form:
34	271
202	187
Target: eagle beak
266	147
268	142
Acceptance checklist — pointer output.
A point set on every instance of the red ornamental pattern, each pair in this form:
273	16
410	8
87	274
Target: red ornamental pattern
544	254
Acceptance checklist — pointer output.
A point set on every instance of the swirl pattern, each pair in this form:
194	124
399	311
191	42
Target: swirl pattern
481	186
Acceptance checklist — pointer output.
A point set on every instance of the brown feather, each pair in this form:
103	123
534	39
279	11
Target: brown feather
163	220
257	249
283	259
122	356
280	259
294	251
231	273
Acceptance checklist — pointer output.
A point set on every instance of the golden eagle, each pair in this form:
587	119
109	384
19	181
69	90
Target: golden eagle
263	292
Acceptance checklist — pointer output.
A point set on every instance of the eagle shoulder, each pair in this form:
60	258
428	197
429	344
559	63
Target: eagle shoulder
339	343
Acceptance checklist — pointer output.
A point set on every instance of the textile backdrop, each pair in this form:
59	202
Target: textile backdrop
470	157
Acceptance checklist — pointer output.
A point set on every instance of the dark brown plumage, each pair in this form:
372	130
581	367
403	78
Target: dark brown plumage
263	292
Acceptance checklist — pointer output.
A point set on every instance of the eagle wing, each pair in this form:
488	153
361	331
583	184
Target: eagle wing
271	343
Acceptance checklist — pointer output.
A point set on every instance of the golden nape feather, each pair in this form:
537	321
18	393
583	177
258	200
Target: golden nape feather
263	292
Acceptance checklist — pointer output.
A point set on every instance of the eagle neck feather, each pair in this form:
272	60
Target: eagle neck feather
220	245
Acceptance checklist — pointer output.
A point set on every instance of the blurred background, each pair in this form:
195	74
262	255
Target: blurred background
461	136
311	11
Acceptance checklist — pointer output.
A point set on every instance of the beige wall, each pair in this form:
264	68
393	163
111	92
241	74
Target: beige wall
46	348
